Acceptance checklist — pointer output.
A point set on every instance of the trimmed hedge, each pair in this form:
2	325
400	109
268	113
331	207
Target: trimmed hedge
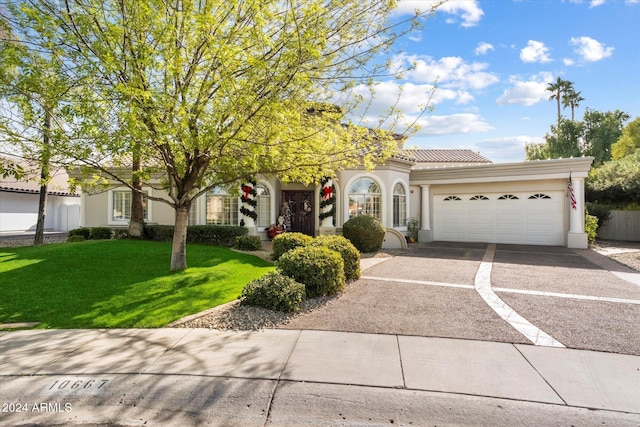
248	243
82	231
275	292
285	242
219	235
365	232
350	255
320	269
100	233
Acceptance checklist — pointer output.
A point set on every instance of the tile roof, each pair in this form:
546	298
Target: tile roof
445	156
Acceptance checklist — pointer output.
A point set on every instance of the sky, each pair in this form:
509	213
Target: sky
493	59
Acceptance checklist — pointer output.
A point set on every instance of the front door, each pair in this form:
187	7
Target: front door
300	209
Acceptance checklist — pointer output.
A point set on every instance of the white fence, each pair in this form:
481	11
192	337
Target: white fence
623	225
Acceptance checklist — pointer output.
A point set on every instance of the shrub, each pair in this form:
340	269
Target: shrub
220	235
100	233
76	238
350	255
285	242
590	226
248	243
601	212
320	269
365	232
275	292
82	231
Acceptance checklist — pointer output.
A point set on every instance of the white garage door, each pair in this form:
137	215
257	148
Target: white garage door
520	218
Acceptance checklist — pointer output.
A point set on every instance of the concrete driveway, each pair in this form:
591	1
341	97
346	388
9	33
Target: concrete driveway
532	294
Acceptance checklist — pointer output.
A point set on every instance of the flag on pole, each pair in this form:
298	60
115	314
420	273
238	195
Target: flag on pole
572	195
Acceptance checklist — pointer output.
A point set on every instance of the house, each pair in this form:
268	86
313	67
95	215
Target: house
455	195
19	201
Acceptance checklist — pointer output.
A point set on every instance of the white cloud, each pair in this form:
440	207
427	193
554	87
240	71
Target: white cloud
450	72
468	10
568	62
535	52
526	92
483	48
596	3
590	49
452	124
507	149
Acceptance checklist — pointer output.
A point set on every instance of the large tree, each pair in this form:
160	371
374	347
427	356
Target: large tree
601	131
558	90
214	92
33	90
629	142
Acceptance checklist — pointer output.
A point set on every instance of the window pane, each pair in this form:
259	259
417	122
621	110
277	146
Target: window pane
364	198
121	205
222	209
264	206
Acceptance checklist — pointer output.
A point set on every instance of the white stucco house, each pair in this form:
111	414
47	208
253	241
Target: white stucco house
456	195
19	201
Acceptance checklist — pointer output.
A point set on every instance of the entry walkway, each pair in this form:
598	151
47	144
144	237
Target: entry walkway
292	377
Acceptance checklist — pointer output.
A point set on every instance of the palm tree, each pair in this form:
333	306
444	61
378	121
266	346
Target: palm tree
572	99
557	89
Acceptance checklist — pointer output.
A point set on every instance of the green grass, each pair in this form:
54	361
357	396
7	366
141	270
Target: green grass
117	284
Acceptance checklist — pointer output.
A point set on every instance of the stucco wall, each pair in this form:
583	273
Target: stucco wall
19	212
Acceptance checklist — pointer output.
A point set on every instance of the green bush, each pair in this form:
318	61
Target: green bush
601	212
320	269
219	235
591	226
100	233
248	243
275	292
350	255
285	242
76	238
365	232
82	231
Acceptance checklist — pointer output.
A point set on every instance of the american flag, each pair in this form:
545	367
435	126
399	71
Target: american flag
572	195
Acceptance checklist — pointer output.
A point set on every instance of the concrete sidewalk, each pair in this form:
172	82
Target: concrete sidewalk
292	377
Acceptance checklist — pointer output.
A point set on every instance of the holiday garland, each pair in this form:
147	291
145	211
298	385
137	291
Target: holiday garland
327	198
248	197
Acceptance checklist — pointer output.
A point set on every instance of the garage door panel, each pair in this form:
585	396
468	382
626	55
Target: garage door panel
518	218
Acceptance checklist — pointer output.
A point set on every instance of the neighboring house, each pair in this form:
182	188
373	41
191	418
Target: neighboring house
19	201
456	195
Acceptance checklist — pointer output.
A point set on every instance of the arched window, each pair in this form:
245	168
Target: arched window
364	198
539	196
479	197
264	205
508	197
399	206
452	199
222	208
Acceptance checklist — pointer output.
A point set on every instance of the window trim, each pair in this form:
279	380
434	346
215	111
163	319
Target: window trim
383	196
110	205
405	187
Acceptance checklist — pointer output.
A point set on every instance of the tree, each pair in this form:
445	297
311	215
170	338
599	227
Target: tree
558	89
601	130
629	142
572	99
564	142
212	93
616	182
32	90
539	151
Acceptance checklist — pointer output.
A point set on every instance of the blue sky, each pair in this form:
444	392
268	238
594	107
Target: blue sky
493	59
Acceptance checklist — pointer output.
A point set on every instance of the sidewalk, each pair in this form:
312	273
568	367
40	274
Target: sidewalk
292	377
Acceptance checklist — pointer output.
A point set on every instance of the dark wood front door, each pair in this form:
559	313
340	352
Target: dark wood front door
301	208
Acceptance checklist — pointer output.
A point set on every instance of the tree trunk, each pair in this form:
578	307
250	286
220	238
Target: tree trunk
45	155
136	223
179	249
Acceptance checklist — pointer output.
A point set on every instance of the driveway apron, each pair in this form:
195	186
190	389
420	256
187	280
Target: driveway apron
429	291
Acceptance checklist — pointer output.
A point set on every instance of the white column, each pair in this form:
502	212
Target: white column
425	216
576	216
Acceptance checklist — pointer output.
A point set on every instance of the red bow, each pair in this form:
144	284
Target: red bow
247	190
326	192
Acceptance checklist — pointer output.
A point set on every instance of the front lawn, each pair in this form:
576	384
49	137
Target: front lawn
117	283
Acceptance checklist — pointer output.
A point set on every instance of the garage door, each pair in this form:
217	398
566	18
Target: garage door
519	218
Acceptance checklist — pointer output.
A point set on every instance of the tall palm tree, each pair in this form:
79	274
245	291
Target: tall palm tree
557	89
572	99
